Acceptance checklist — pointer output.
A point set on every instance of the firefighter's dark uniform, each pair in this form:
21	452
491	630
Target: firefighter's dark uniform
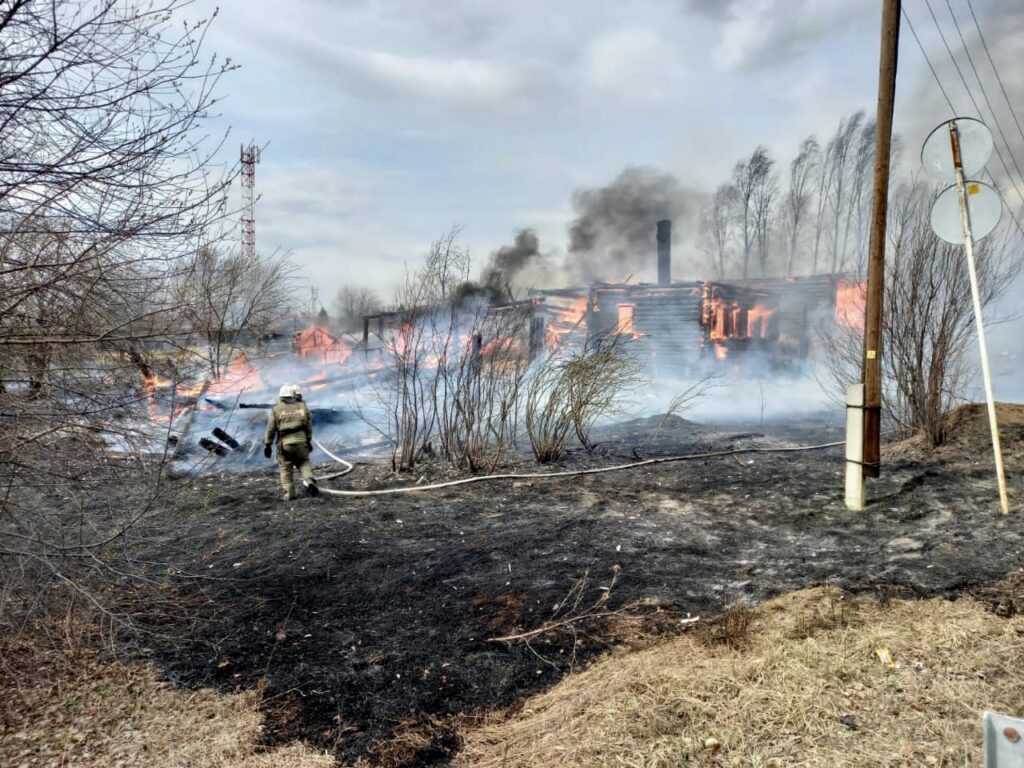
291	422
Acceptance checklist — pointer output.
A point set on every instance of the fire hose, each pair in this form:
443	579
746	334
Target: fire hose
348	465
546	475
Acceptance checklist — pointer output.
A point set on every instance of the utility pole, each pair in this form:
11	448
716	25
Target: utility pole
872	365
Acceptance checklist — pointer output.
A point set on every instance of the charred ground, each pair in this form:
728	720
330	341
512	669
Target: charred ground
367	619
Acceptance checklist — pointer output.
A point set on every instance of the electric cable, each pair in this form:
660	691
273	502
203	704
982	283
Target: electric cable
970	95
952	109
995	70
984	92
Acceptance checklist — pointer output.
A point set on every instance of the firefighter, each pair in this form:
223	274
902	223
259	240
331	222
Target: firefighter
291	422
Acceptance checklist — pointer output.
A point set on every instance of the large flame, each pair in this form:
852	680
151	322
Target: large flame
757	320
850	303
565	321
317	343
240	376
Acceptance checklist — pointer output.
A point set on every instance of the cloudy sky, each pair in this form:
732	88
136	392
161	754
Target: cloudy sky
389	121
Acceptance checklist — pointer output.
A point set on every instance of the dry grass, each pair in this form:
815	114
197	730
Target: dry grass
805	688
732	628
968	435
82	712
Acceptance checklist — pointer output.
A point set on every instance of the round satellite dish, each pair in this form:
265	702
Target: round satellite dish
975	149
983	203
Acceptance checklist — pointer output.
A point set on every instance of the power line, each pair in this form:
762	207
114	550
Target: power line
935	74
984	93
977	109
952	109
999	80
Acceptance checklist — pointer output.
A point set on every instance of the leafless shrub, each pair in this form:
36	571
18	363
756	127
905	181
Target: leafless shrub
455	367
480	388
928	321
597	378
426	332
570	390
547	411
678	404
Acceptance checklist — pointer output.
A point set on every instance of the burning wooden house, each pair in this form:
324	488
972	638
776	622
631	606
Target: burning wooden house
680	326
316	343
677	327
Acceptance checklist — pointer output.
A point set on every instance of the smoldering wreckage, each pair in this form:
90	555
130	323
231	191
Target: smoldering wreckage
678	331
377	625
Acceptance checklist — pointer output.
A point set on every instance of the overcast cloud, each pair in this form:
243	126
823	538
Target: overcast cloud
389	121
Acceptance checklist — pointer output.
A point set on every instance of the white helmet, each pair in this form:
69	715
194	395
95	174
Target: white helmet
289	390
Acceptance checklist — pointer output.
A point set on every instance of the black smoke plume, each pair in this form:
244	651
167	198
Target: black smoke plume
509	260
511	269
613	235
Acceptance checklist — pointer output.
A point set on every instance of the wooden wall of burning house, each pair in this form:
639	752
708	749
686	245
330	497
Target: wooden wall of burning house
663	321
686	327
777	319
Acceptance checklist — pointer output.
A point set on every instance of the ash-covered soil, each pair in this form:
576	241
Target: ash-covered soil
367	619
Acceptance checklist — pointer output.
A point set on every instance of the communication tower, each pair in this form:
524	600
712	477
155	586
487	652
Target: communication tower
249	157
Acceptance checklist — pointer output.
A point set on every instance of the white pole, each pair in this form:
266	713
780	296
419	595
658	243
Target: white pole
855	446
965	219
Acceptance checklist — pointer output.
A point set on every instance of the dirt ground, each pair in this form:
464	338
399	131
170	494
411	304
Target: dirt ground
365	622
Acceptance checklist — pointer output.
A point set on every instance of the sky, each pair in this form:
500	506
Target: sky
388	122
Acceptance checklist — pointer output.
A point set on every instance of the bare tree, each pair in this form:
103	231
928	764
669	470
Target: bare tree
798	198
751	178
764	209
824	183
841	155
106	191
352	303
716	230
859	209
230	296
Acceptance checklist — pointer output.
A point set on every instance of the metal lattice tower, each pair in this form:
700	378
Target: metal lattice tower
249	157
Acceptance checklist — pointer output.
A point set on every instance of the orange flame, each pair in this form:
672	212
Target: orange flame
315	383
850	303
724	319
315	341
627	320
565	322
757	320
239	376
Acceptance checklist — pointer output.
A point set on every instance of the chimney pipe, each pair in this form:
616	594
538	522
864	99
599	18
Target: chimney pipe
665	252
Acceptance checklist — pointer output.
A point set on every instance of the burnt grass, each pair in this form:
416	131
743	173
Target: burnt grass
365	620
